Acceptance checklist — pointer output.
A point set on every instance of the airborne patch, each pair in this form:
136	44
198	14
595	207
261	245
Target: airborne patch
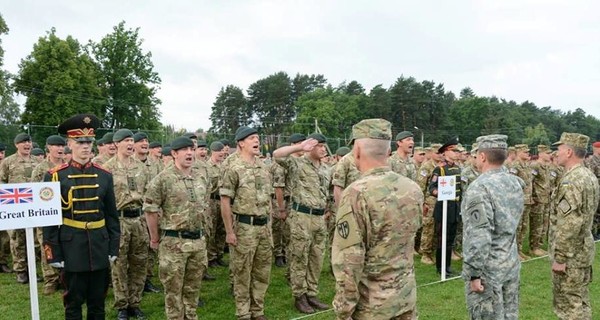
343	229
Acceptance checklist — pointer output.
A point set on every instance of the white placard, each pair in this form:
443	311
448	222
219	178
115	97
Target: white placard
446	188
29	205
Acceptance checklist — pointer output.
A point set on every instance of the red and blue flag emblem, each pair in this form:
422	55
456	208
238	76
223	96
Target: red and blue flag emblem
16	195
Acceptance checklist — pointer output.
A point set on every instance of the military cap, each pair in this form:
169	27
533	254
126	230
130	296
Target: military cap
596	144
154	144
317	136
492	141
80	127
202	144
190	135
181	142
67	150
521	147
100	142
474	148
35	145
166	151
296	137
576	140
342	151
542	148
21	137
216	146
37	152
55	140
2	146
511	149
453	142
243	132
460	148
139	136
108	137
419	150
225	142
403	135
427	149
373	129
122	134
435	147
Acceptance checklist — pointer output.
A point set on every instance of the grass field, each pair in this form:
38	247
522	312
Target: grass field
435	300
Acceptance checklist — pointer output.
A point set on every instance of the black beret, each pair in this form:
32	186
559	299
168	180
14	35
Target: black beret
37	152
155	144
202	143
296	137
342	151
139	136
166	151
55	140
80	127
243	132
225	142
319	137
216	146
181	142
2	146
122	134
403	135
190	135
22	137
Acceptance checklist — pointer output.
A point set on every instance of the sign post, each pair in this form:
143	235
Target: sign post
30	205
446	191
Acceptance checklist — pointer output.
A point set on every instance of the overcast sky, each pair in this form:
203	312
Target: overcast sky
544	51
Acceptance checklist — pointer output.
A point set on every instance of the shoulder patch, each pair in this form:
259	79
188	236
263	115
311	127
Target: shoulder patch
100	167
513	170
58	168
564	206
424	173
534	172
343	229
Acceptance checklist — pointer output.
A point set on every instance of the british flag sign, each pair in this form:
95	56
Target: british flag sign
16	195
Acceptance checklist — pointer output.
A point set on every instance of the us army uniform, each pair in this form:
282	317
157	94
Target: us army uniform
181	200
571	242
491	211
130	177
428	230
521	169
372	261
542	189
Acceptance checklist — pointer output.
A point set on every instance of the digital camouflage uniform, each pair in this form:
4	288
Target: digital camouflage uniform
403	167
216	243
593	163
281	229
542	189
182	261
130	177
522	170
556	173
250	187
428	229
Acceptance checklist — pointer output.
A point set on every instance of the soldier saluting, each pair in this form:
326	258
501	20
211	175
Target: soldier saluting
89	237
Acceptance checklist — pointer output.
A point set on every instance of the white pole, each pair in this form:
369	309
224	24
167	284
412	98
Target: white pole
33	292
444	227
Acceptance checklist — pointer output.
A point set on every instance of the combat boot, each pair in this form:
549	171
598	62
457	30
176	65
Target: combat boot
315	303
302	305
538	252
426	259
5	268
279	262
22	277
122	314
50	288
149	287
136	313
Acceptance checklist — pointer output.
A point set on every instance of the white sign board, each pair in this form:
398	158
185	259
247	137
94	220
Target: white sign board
28	205
446	188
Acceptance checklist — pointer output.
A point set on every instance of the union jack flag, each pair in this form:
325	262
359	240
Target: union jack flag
16	195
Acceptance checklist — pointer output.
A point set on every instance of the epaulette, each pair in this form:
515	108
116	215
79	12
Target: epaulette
100	167
58	168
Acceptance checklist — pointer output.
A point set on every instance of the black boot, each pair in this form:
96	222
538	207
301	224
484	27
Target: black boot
149	287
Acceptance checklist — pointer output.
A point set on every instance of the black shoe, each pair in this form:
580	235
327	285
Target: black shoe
5	268
22	277
136	313
208	277
200	303
122	314
213	263
149	287
279	262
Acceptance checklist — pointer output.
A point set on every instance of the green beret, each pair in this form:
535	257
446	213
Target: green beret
108	137
202	143
317	136
216	146
21	137
155	144
68	150
2	146
55	140
296	137
139	136
181	142
225	142
37	152
122	134
100	142
243	132
342	151
190	135
166	151
373	129
403	135
576	140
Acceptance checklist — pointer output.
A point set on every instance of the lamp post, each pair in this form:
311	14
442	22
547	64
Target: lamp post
417	128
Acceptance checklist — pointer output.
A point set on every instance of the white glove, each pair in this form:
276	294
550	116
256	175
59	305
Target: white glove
112	258
57	265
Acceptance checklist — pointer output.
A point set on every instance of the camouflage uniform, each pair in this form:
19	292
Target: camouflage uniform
249	185
468	175
281	230
593	163
555	174
542	189
428	230
101	159
345	172
522	170
130	177
181	199
216	243
404	167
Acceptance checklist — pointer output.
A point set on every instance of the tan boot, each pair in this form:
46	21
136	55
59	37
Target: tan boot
426	259
50	288
456	256
302	305
538	252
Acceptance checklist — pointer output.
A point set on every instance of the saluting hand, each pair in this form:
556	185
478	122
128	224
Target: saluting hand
309	144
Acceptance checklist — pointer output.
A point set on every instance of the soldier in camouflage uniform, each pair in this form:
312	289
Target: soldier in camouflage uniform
593	163
217	242
491	211
401	162
520	168
428	230
201	150
180	195
130	177
4	238
512	154
344	174
372	261
469	171
155	151
418	158
571	244
106	149
246	180
542	189
308	231
18	168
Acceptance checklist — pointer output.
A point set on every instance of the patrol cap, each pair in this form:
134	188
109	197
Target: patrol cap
542	148
21	137
181	142
521	147
243	132
155	144
319	137
419	150
166	151
2	146
139	136
296	137
511	149
460	148
596	144
225	142
403	135
122	134
55	140
492	141
37	152
80	127
474	148
576	140
190	135
450	145
217	146
202	144
373	129
342	151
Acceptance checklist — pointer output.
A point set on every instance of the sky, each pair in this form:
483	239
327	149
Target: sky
543	51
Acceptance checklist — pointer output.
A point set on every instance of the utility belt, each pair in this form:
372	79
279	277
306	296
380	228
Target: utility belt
85	225
251	220
285	198
183	234
131	212
308	210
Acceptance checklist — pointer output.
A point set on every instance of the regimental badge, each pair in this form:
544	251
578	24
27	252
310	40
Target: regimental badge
87	120
343	229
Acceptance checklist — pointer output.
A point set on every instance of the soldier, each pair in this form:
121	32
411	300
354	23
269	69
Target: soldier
56	146
470	172
542	189
246	180
38	154
448	168
593	163
343	175
181	196
512	154
167	158
201	150
372	261
571	242
17	168
155	150
217	242
106	149
428	226
130	177
227	144
88	240
400	162
68	154
308	231
491	210
418	158
4	238
520	168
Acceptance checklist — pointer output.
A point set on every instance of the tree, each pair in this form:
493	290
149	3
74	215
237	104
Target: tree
271	101
230	111
9	109
128	79
536	135
303	83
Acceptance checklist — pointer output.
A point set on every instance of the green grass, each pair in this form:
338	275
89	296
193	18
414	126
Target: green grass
435	301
